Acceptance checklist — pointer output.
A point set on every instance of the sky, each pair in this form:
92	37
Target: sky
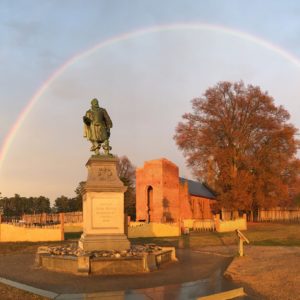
144	60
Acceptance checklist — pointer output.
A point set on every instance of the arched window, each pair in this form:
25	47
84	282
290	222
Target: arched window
149	202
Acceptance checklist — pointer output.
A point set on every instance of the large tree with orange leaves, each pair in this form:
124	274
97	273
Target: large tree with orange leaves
240	143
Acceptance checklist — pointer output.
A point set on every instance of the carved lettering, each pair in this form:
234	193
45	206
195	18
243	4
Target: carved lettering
105	174
106	213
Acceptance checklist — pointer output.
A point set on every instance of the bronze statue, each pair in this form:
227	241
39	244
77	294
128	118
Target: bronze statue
97	124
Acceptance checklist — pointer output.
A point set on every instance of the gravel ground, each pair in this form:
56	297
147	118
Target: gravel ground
272	272
10	293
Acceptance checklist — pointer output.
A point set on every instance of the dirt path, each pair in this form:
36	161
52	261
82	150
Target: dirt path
10	293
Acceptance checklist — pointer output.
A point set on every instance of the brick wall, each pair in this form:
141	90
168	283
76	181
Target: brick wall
157	191
161	197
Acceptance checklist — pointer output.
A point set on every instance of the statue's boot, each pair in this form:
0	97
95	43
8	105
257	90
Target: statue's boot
94	147
97	151
106	147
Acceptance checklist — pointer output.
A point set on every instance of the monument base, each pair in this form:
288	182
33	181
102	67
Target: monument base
103	207
132	262
93	242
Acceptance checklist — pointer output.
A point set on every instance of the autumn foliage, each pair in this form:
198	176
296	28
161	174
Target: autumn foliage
241	144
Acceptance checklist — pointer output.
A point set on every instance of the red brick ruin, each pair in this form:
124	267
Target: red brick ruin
162	196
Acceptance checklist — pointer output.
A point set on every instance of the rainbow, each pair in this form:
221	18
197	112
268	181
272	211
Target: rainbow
131	35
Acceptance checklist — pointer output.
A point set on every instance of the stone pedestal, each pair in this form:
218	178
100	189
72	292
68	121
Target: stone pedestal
103	207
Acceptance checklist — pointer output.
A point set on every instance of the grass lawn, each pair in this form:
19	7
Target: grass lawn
268	234
261	234
28	247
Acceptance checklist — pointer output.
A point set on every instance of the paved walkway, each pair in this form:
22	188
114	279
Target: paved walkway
195	274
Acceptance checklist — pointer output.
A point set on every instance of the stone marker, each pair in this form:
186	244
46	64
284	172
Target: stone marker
103	248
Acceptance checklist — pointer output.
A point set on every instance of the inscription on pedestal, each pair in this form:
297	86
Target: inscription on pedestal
103	207
105	213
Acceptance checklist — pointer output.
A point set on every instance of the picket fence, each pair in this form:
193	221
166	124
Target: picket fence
68	217
279	214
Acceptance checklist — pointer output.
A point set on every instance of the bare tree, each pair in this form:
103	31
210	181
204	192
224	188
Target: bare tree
126	172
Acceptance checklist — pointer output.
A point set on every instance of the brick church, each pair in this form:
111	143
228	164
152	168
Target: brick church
162	196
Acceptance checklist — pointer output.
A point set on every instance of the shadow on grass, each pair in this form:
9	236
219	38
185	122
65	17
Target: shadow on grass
286	243
160	241
182	241
258	234
72	235
191	241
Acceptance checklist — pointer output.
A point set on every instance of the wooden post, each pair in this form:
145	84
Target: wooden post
180	226
235	214
62	223
242	239
217	222
245	219
241	247
44	218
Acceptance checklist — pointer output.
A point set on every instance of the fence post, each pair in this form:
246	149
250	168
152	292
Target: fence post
217	222
62	223
44	218
245	219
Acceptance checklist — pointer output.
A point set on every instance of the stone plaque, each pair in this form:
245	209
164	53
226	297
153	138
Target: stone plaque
105	212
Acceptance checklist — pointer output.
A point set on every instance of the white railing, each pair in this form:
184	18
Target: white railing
204	225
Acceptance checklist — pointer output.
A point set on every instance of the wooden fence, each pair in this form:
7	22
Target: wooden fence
69	217
204	225
73	217
279	214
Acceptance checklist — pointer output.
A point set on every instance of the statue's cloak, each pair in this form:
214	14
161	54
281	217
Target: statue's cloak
97	125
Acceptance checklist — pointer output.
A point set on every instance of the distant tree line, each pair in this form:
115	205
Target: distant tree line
17	205
65	204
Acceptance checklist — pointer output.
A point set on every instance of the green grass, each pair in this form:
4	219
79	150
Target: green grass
260	234
275	242
25	247
189	241
268	234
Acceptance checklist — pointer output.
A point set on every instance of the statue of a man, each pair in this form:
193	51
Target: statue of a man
97	124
